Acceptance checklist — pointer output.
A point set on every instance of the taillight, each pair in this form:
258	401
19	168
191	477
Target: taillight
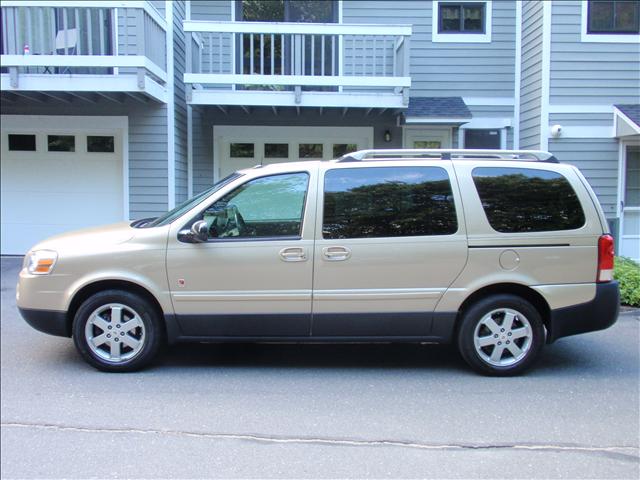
606	252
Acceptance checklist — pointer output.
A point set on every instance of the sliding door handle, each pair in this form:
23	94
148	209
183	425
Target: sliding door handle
336	254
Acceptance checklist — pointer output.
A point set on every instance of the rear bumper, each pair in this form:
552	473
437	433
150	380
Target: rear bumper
597	314
48	321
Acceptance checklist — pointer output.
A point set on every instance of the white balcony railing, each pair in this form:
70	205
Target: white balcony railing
68	45
299	58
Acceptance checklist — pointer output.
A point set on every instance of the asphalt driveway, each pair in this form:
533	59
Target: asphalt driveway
296	411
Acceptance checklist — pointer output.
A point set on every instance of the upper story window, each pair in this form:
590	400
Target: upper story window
461	22
306	11
614	16
461	18
611	21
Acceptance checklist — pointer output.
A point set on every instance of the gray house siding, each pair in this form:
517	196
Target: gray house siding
147	145
589	73
448	69
202	152
213	10
597	158
531	80
180	105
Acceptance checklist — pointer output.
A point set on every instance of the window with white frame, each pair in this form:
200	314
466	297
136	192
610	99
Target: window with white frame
613	21
461	21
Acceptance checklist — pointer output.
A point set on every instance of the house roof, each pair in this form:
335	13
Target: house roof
631	111
438	108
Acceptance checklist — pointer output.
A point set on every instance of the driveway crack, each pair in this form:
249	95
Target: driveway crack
626	452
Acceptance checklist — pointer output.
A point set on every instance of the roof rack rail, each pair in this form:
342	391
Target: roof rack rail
448	154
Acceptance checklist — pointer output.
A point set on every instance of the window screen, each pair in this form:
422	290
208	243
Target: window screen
388	202
527	200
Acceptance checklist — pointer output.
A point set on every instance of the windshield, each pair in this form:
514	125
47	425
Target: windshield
184	207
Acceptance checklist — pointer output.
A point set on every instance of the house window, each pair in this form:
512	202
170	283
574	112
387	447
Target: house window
241	150
22	143
461	18
307	11
476	138
461	22
100	144
310	150
276	150
61	143
613	17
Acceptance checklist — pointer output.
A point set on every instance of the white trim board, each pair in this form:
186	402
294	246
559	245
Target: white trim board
546	75
461	37
87	125
601	38
628	128
436	121
489	101
489	123
517	77
567	108
171	113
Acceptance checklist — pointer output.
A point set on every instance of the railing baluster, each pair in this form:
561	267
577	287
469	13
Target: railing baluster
88	16
42	35
65	28
251	54
281	54
210	52
78	38
303	46
353	56
393	44
220	52
384	56
262	54
292	53
29	30
333	55
273	49
242	53
323	58
126	30
313	54
101	28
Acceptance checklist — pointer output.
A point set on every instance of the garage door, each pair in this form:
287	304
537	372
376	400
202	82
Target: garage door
58	174
238	147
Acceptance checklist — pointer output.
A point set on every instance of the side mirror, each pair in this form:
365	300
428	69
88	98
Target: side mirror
198	233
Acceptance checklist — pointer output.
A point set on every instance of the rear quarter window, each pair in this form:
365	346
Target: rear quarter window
519	200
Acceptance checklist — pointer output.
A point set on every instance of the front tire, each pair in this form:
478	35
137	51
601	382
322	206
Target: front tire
117	331
501	335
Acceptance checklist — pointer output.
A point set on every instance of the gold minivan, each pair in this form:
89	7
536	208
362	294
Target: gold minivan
498	252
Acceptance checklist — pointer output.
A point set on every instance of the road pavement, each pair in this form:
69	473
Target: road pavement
317	411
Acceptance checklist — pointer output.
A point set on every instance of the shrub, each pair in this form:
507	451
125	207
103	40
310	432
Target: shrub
627	272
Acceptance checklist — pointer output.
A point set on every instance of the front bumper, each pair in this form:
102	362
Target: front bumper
597	314
47	321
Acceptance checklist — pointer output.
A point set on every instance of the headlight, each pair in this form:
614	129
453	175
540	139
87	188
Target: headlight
41	262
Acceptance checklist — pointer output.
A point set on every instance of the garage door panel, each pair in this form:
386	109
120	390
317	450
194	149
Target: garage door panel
47	193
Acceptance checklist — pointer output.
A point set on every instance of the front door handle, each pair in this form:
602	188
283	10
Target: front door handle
293	254
336	254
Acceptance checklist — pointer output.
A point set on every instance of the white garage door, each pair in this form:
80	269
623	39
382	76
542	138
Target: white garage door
238	147
58	174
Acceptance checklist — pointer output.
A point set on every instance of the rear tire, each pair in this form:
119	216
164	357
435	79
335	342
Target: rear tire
501	335
117	331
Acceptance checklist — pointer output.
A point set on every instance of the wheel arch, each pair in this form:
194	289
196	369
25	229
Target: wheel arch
101	285
523	291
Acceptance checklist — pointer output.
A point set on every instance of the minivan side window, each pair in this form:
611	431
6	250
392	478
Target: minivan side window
388	202
527	200
264	207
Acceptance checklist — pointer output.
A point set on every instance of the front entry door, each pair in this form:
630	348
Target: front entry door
435	137
253	276
630	204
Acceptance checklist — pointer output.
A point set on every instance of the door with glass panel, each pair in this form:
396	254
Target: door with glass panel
629	244
389	241
253	275
427	137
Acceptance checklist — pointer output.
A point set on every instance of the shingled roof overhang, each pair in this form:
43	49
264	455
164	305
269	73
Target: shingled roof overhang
437	110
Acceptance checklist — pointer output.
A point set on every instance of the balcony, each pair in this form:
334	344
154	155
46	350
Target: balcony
298	64
110	49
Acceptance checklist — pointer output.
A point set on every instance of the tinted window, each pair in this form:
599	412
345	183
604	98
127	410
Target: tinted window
61	143
614	16
527	200
264	207
100	144
22	143
482	138
388	202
